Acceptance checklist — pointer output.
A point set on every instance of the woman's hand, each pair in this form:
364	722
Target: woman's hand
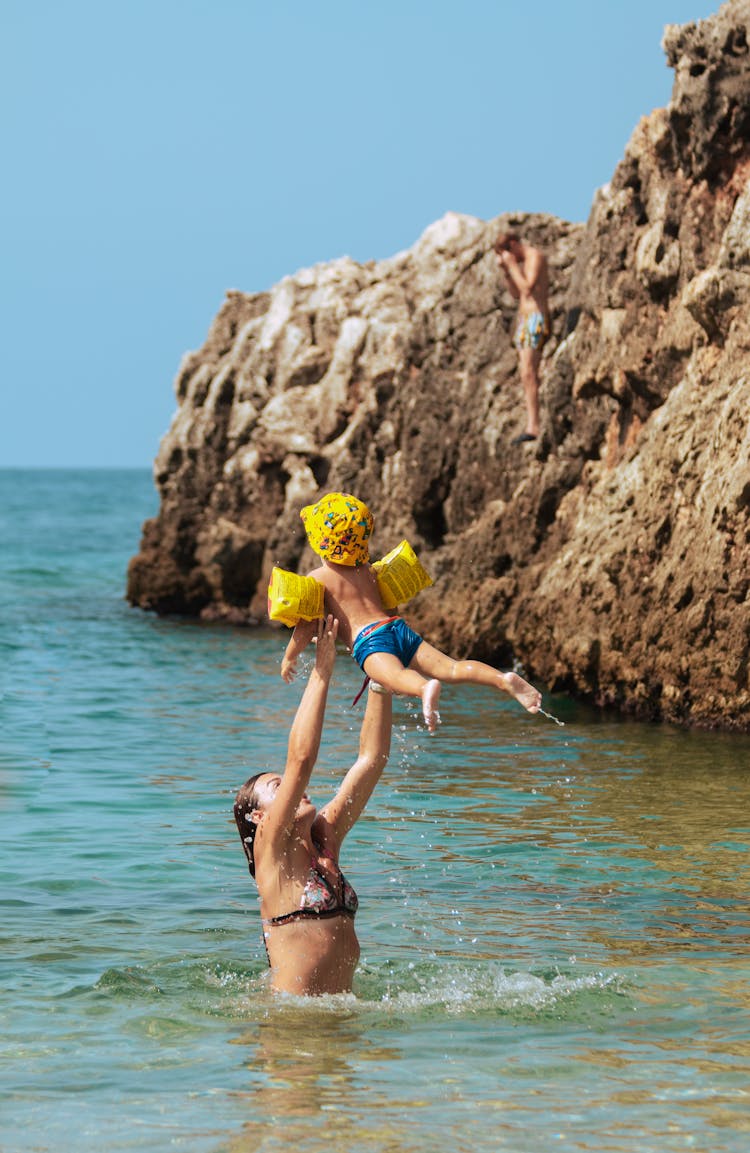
325	646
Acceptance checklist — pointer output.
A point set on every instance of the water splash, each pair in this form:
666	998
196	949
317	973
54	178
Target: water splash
491	991
552	718
197	991
421	990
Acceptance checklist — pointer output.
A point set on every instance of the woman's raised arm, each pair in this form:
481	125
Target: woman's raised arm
340	814
305	734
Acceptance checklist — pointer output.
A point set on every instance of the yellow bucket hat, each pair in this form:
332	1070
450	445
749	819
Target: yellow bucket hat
338	527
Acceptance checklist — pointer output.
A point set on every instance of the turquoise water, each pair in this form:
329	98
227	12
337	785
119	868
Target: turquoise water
554	921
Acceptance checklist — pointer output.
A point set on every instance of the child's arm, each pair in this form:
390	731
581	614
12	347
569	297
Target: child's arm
303	633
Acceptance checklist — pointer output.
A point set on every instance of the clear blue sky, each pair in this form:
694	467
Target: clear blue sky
159	152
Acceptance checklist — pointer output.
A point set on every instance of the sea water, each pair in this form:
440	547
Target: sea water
554	920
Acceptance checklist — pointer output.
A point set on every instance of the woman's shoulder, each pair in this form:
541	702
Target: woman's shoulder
280	862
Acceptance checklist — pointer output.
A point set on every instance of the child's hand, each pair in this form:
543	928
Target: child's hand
301	637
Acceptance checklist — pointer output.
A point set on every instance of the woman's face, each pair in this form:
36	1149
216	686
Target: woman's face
265	791
264	794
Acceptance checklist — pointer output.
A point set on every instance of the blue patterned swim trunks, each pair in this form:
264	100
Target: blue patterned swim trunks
532	331
391	635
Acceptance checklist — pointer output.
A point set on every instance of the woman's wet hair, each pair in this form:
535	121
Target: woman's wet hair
245	804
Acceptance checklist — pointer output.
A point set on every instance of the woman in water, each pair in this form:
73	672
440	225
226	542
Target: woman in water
306	903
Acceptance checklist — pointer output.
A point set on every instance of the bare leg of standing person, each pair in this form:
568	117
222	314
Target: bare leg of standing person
529	361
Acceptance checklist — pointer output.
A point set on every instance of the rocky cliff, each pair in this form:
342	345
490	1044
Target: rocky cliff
612	557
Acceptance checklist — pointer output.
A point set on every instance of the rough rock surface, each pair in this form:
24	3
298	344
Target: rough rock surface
612	557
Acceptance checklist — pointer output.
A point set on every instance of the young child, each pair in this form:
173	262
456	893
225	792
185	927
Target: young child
339	527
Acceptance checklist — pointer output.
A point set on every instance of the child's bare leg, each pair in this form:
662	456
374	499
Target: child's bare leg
430	700
387	670
432	663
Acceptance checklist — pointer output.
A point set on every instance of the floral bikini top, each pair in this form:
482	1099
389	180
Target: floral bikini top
320	898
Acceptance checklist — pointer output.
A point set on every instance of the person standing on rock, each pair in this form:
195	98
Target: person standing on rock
527	276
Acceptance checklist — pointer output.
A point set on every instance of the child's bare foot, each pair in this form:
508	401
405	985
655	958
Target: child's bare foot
524	693
430	698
